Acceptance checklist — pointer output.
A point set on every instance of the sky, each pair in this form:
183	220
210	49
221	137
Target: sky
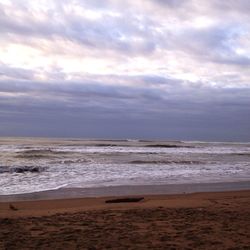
153	69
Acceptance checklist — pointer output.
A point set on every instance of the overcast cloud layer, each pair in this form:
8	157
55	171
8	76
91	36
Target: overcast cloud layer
173	69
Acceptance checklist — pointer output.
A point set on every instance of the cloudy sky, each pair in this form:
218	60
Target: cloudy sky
166	69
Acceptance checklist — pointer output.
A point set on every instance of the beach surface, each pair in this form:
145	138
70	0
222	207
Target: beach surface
219	220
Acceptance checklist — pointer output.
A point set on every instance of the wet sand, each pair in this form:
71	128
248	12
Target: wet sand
185	221
64	193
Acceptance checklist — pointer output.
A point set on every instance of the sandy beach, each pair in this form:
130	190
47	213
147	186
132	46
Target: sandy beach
219	220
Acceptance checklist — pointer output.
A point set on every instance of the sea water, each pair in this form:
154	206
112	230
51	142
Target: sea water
31	165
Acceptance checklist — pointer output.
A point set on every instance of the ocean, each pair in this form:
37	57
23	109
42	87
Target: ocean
29	165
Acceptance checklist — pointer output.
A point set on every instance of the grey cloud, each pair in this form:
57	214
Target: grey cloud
242	6
215	43
171	3
25	26
106	33
118	32
83	94
24	81
220	115
16	73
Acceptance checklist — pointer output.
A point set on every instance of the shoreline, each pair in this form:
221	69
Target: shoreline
116	191
49	207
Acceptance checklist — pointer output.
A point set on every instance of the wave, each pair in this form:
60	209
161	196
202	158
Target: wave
42	151
240	154
21	169
138	145
169	141
165	162
168	146
71	161
39	153
108	145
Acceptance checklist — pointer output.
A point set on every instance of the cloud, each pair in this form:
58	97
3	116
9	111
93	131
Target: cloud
214	43
171	3
178	66
242	6
106	32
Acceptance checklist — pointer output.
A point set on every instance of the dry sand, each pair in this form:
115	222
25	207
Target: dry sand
187	221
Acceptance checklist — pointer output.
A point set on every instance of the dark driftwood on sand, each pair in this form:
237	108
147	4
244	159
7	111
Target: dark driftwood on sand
120	200
11	207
